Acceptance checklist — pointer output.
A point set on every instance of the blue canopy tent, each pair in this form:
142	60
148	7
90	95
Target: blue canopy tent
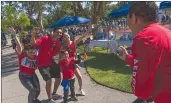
122	11
165	4
70	20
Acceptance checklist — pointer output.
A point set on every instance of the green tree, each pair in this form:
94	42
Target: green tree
14	17
23	20
34	10
58	11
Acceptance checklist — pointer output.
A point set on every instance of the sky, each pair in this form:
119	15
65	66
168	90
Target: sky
157	3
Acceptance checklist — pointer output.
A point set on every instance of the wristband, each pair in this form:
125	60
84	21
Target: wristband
78	56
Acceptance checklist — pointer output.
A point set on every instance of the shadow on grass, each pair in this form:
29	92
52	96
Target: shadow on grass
108	70
105	62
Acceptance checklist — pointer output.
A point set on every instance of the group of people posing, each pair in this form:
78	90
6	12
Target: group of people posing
150	58
40	52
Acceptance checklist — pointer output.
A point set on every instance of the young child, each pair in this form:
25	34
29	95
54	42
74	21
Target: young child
67	65
71	48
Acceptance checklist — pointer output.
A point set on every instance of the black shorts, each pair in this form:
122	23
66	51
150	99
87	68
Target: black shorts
49	72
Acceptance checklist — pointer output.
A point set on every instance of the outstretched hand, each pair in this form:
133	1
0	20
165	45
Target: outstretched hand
11	30
123	53
33	33
66	40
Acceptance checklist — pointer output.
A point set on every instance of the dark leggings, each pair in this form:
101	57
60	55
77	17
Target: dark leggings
31	83
68	84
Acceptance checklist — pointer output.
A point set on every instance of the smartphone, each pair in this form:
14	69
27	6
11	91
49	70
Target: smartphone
118	50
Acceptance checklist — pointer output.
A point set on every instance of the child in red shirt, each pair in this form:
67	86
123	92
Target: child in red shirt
67	65
27	67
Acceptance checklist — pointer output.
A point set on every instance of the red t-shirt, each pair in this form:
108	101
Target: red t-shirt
72	52
47	49
151	62
26	65
67	67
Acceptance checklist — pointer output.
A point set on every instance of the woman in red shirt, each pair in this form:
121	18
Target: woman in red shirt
27	66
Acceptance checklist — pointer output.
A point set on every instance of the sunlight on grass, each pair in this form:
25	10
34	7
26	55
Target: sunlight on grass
108	69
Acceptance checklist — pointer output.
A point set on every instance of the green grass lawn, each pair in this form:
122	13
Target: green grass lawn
108	69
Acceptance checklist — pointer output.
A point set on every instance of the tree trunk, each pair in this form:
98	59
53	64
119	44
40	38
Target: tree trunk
74	8
100	8
81	10
40	16
94	13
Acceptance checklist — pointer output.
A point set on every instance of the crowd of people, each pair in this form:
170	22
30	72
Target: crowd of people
76	30
111	35
121	23
38	52
164	17
116	24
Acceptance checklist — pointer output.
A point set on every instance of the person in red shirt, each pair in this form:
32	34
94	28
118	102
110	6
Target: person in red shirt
151	54
27	67
49	46
67	65
71	48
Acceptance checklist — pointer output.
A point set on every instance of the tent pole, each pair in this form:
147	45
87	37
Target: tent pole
107	31
124	28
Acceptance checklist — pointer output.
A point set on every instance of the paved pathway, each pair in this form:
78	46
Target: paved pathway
14	92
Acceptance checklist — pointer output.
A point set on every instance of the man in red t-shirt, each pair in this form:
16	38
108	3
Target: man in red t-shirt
49	46
151	54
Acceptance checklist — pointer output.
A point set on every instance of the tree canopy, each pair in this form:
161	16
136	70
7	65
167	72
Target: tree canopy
27	14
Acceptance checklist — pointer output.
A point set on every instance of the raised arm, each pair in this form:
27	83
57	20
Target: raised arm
19	46
36	41
33	37
17	40
88	33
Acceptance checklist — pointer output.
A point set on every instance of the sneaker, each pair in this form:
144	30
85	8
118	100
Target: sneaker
139	101
150	100
56	97
51	101
65	101
81	92
37	101
74	98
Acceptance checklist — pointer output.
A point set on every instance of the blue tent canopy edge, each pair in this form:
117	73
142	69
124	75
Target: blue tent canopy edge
70	20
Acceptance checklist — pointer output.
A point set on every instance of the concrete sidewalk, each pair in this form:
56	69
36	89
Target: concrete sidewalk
14	92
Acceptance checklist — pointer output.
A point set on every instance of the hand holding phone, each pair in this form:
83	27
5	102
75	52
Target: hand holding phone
122	53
